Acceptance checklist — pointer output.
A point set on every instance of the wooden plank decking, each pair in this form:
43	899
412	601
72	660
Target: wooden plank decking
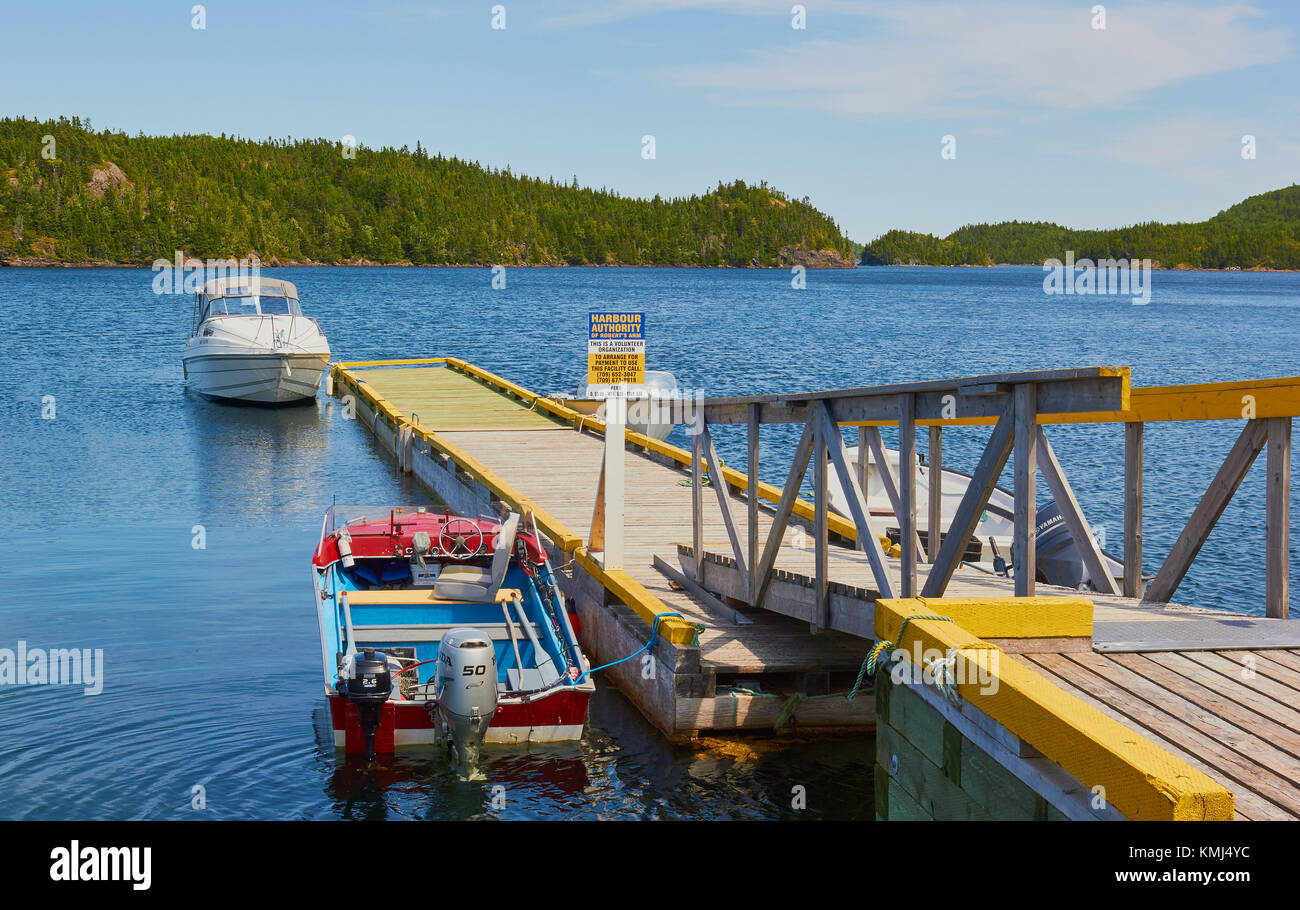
1226	713
559	468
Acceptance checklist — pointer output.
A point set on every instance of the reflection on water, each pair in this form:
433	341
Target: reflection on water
621	769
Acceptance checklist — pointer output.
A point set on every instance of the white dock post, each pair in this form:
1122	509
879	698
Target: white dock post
615	420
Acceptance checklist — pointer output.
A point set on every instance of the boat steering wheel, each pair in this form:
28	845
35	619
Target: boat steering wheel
454	539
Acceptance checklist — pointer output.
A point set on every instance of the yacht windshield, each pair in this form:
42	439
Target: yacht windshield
280	306
253	306
233	306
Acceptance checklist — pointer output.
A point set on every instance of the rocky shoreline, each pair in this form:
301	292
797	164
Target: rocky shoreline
1155	267
789	257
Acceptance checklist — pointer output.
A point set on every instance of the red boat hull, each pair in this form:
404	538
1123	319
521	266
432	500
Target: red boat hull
556	718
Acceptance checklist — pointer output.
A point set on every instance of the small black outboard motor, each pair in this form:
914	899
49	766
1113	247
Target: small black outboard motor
368	687
1059	560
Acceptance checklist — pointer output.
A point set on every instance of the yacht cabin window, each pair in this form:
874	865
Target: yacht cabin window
253	306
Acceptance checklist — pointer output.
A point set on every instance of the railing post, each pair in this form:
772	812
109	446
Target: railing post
751	469
1133	468
697	493
821	523
1277	521
935	477
907	492
864	459
615	452
1023	556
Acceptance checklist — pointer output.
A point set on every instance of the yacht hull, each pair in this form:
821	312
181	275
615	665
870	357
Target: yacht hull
261	378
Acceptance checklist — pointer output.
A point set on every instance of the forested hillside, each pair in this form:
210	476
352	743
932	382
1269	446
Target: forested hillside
1260	232
106	196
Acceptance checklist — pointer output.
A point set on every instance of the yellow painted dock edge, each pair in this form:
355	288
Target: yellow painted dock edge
619	583
1140	779
1013	617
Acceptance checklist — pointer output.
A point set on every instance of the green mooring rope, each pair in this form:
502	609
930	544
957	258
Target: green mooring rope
873	664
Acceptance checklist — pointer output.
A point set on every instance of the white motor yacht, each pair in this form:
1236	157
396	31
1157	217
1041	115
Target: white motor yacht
251	342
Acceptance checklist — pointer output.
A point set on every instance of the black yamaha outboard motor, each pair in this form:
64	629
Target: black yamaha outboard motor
1059	562
1058	557
367	686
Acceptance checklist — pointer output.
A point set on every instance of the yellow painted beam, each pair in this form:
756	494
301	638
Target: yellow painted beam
362	364
1004	617
631	592
1205	401
1140	779
565	539
838	524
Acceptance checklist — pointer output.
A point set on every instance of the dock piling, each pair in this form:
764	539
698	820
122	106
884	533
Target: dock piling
1134	434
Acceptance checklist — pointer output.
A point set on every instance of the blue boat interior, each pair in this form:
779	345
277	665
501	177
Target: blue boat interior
413	630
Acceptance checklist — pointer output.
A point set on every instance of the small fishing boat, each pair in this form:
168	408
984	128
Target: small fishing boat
251	342
1058	559
645	411
437	629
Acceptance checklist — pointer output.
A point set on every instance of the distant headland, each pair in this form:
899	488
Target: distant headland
1261	233
70	196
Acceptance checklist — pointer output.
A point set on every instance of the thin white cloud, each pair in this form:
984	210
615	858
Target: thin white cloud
952	59
1196	149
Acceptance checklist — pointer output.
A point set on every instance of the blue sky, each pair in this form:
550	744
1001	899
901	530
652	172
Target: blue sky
1053	119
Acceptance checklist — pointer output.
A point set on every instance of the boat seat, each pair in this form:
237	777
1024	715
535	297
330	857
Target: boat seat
476	583
429	632
414	597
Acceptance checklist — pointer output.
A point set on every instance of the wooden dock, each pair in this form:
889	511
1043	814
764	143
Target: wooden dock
765	622
473	430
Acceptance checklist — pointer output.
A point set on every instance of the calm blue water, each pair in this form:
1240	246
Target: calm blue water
211	655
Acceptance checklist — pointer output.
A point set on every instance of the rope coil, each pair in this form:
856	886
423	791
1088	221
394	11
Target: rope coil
872	665
944	669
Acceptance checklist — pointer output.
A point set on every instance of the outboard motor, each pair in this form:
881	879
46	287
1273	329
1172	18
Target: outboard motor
467	690
1057	554
367	683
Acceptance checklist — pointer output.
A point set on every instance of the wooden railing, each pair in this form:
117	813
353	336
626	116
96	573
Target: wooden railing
1019	406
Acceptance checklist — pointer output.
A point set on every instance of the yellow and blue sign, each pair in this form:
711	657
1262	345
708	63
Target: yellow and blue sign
615	351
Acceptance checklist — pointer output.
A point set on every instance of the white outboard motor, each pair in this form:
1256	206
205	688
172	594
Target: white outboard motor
467	690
